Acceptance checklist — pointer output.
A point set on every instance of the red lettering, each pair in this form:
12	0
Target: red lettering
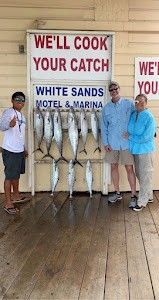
65	43
73	68
37	60
140	85
82	65
86	43
76	44
103	43
39	41
105	65
151	68
94	43
143	67
154	87
49	41
96	65
147	87
45	63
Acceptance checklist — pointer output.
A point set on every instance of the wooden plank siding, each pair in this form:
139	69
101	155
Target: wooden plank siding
87	249
134	22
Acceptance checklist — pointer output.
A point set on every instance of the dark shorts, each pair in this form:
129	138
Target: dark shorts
14	164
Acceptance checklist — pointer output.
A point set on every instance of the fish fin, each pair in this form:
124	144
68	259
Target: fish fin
77	162
38	149
61	158
84	150
98	148
47	155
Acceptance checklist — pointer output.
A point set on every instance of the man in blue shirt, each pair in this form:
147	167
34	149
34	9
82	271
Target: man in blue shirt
114	123
141	132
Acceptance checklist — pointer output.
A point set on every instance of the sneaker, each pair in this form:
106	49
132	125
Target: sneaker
133	201
137	208
150	201
115	197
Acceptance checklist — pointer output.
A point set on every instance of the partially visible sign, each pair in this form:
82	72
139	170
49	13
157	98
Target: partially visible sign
53	96
70	56
147	77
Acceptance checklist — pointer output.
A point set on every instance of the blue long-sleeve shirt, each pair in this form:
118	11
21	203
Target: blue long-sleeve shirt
141	130
114	123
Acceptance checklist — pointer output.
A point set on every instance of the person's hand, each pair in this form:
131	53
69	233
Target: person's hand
13	122
26	153
108	148
125	135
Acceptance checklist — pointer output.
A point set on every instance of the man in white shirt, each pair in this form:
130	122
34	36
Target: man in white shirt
12	123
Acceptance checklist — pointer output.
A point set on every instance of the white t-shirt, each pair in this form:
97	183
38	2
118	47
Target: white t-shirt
14	137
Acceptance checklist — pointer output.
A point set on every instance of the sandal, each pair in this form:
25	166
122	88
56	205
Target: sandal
10	210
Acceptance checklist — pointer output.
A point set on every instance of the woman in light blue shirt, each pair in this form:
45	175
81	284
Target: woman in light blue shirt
141	132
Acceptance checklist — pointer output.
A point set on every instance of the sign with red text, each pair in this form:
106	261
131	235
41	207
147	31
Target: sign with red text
62	56
147	77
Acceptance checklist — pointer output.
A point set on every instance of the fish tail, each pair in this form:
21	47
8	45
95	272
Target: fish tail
61	158
84	150
98	148
47	155
38	149
77	162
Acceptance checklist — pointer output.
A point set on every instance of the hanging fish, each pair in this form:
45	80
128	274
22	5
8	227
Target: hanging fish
39	127
84	129
54	176
71	177
58	133
95	128
48	132
73	133
89	176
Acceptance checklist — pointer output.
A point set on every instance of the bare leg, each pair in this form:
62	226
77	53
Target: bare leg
115	176
15	184
131	178
7	191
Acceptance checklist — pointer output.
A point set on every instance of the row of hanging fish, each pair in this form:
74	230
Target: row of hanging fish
71	176
48	127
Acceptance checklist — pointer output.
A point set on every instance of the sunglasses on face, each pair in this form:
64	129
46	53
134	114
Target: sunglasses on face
114	89
139	102
19	99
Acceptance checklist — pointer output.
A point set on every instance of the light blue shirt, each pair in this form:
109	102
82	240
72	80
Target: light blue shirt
141	130
114	123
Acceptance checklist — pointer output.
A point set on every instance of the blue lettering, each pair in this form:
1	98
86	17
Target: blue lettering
100	92
74	92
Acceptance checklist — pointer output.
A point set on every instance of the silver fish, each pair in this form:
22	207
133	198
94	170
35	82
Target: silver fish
48	132
38	127
95	128
54	176
84	129
89	176
73	133
58	133
71	177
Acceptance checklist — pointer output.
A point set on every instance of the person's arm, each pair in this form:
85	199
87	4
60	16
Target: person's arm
6	121
147	132
104	128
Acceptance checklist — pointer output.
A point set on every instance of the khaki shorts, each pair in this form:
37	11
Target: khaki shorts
122	157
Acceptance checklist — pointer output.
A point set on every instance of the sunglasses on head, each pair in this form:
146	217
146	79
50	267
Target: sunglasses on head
114	89
19	99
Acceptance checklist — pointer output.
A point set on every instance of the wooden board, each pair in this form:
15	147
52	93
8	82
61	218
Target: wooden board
138	271
116	286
